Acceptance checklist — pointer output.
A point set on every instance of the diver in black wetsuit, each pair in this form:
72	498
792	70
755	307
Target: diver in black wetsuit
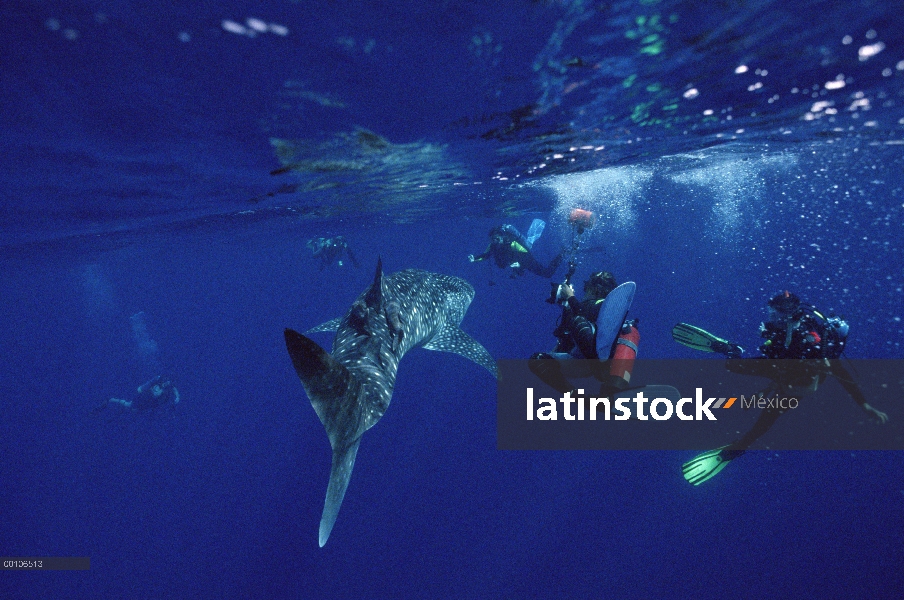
156	392
576	336
576	331
510	250
330	250
804	347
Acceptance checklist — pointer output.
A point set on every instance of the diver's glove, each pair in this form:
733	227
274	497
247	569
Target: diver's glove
470	258
727	348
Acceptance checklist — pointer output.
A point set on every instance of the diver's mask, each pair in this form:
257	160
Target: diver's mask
783	307
779	318
600	284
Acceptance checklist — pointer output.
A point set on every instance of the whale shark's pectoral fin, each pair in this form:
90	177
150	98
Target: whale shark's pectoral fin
331	325
453	339
340	474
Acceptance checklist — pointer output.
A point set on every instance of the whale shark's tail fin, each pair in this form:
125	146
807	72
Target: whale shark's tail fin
323	378
340	474
334	394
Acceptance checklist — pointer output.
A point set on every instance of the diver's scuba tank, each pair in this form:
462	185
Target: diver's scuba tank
831	333
624	354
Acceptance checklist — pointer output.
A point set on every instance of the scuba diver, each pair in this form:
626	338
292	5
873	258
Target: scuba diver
609	360
330	250
811	343
156	392
576	335
511	250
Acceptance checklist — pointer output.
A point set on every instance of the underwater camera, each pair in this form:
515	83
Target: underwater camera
556	296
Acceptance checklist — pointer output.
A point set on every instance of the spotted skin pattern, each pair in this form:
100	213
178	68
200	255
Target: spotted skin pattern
351	387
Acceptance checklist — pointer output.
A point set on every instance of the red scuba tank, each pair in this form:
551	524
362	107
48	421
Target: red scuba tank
625	352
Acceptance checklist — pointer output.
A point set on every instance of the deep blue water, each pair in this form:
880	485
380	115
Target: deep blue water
730	149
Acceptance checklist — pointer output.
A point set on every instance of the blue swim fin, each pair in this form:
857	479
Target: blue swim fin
535	231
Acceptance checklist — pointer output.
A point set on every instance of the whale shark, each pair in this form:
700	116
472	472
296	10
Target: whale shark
350	388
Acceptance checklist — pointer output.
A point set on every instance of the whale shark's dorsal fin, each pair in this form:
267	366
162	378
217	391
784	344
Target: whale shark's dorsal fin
372	299
374	296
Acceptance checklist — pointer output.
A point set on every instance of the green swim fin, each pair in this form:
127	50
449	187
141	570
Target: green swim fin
694	337
704	467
